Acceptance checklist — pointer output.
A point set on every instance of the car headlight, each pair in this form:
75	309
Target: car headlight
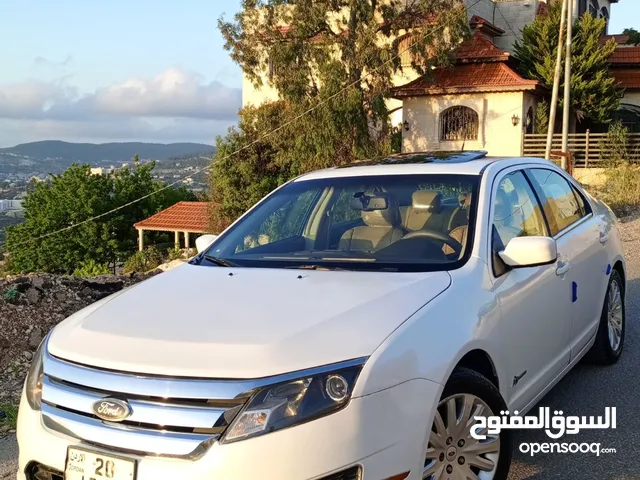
33	384
287	404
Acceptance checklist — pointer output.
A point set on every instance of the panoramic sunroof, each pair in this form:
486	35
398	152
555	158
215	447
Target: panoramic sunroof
421	158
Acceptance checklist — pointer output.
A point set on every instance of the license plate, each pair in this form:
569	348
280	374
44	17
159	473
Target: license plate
88	465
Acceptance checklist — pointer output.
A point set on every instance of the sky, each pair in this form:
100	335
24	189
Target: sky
128	70
117	70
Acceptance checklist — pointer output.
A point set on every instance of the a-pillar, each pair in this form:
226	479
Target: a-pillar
186	241
177	239
140	239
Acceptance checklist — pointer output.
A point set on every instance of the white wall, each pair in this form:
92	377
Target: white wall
497	134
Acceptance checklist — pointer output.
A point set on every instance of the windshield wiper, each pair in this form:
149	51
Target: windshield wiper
313	267
221	262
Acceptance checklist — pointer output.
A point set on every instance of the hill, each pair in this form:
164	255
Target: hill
54	156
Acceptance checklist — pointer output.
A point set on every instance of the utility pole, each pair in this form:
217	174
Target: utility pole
556	81
567	85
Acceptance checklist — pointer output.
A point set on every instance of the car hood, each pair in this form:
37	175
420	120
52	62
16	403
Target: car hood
218	322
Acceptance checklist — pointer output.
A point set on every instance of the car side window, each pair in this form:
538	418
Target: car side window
516	213
563	205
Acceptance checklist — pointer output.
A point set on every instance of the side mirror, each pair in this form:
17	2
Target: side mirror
524	252
204	241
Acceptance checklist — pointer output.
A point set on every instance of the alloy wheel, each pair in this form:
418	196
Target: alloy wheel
615	315
452	453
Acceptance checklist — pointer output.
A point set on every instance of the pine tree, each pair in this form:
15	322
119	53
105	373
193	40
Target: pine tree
595	95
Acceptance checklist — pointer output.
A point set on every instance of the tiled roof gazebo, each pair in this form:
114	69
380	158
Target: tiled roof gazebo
185	217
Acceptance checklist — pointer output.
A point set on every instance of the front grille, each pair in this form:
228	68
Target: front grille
169	417
353	473
37	471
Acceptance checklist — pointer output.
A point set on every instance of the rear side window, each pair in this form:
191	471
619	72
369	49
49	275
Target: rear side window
562	205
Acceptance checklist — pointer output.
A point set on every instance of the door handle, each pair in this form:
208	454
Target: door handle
563	267
604	237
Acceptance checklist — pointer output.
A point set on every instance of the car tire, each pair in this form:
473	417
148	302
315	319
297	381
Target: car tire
452	448
607	349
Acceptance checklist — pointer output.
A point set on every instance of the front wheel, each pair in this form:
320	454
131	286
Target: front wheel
610	337
452	453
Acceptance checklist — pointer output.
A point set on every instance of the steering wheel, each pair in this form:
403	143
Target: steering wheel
435	235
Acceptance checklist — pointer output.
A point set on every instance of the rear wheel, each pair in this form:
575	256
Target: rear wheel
452	453
610	337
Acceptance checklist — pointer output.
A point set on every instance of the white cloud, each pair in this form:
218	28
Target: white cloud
173	103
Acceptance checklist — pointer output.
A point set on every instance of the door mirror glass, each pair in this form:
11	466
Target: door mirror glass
529	252
204	241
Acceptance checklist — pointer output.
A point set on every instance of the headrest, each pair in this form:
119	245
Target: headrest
389	217
464	199
426	200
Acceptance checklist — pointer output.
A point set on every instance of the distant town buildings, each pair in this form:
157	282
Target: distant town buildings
6	205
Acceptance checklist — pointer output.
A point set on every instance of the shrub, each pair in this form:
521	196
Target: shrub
11	295
90	268
622	189
175	254
143	261
614	148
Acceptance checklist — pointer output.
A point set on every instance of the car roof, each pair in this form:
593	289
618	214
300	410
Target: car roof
459	163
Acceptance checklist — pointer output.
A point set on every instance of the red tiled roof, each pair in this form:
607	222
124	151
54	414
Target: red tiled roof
479	48
474	77
626	56
183	217
620	39
627	78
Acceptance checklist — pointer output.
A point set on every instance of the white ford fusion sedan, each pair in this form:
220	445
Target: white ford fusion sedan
349	326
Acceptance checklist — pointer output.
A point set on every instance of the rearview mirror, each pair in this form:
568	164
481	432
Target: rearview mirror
368	203
204	241
529	252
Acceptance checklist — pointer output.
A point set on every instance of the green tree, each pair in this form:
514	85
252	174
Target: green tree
328	45
634	36
594	92
74	197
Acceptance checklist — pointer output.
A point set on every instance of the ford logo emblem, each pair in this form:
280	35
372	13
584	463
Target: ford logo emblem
112	409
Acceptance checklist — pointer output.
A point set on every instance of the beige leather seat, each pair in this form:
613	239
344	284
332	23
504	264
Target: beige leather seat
382	228
459	233
424	212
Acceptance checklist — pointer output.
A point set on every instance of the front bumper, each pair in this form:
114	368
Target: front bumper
384	433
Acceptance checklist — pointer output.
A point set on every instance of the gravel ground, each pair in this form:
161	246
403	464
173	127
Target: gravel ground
587	390
8	457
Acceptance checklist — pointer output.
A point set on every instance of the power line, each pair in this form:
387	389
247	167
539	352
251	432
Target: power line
241	149
506	21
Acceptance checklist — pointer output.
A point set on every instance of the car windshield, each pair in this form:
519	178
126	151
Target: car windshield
384	223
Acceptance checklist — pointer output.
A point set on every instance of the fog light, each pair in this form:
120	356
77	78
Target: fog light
337	388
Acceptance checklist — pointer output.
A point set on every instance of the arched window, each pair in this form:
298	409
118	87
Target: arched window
604	13
594	8
459	123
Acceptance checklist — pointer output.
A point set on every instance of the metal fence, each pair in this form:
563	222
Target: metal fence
588	149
